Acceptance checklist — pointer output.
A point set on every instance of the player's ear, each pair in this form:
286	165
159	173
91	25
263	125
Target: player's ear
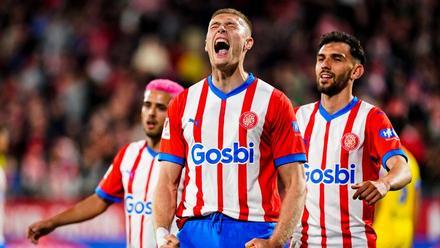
358	71
206	49
248	43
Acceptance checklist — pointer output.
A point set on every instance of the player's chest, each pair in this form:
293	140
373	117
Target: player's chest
335	140
225	120
139	180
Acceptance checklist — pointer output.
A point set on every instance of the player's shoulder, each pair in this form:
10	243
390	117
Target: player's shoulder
375	113
181	99
278	96
265	86
196	86
369	107
305	108
135	145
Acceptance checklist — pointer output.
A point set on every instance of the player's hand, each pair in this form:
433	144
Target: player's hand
39	229
261	243
171	242
371	191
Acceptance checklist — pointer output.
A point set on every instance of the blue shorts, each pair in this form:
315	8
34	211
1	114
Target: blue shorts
219	230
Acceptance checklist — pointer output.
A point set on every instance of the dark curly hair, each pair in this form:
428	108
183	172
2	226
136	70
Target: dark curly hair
356	49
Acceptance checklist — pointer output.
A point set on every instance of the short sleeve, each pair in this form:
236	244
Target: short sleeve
286	140
172	144
384	141
111	188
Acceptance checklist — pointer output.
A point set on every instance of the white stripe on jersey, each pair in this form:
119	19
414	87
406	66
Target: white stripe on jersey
259	105
210	139
190	110
230	182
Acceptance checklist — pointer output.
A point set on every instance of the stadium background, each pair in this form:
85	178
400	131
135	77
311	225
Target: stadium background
72	75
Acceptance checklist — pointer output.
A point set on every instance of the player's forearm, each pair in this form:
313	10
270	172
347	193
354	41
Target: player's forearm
87	209
399	174
291	210
164	205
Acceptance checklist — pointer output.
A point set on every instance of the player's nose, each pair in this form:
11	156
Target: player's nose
152	111
221	29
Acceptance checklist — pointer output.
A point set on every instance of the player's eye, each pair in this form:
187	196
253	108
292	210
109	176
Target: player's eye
162	108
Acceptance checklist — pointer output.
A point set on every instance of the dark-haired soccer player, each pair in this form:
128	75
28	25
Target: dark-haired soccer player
347	141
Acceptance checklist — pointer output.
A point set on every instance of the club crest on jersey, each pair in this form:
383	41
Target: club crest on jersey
350	142
248	120
166	129
388	133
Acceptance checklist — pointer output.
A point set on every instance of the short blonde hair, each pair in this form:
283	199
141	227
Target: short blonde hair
234	12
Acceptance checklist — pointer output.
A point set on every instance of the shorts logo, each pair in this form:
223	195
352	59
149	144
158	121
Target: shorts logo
350	141
166	129
248	120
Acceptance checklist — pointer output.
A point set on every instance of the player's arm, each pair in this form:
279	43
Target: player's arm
86	209
398	176
164	204
293	179
384	144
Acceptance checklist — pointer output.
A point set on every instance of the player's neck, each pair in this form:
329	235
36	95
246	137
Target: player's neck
153	143
228	81
334	103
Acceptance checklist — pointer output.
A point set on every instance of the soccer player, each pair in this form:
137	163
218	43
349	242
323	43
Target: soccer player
347	141
233	133
132	177
396	215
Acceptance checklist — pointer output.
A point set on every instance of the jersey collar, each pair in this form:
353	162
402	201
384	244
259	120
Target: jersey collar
329	117
151	151
237	90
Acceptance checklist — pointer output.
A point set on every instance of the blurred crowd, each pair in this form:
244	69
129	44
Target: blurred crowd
72	74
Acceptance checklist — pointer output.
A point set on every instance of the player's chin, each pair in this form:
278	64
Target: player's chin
154	132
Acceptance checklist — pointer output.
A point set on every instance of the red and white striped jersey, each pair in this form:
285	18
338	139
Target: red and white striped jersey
231	145
133	177
343	148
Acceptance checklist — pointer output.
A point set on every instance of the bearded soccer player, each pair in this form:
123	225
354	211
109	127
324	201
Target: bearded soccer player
347	141
131	178
233	133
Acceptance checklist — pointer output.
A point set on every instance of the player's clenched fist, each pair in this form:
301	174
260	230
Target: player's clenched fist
39	229
371	191
170	241
260	243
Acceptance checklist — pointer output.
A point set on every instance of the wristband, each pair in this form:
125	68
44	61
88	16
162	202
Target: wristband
161	233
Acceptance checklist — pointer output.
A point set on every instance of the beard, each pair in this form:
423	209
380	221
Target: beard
155	133
339	83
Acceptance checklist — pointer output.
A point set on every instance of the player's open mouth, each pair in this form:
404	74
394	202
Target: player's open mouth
326	75
151	124
221	46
